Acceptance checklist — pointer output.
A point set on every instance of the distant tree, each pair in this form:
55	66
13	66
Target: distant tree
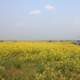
50	41
1	40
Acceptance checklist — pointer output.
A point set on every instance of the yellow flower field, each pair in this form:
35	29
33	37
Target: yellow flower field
23	60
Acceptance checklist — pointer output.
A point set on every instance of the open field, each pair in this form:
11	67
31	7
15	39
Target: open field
39	61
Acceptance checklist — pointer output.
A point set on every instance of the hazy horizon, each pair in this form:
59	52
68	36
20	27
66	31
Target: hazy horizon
39	19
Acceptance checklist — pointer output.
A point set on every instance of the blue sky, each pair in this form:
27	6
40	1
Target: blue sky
39	19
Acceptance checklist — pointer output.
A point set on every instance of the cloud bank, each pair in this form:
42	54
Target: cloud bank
47	7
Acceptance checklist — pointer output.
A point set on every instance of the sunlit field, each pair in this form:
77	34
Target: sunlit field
39	61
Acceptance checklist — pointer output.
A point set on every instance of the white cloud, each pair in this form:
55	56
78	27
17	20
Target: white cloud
35	12
50	7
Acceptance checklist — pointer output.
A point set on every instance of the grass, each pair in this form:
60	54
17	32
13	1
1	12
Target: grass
39	61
